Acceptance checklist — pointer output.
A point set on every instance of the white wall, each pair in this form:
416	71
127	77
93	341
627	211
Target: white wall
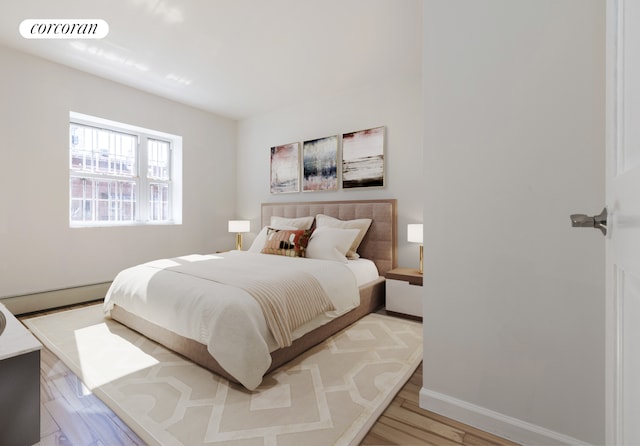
38	250
514	143
396	105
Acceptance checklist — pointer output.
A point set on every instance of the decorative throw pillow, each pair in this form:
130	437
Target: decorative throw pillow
286	242
330	243
261	238
362	224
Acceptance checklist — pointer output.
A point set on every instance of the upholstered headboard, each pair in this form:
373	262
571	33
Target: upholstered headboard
381	241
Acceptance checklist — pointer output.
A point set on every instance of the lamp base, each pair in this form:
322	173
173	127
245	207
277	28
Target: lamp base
239	241
421	258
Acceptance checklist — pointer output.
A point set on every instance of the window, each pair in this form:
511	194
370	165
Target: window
122	175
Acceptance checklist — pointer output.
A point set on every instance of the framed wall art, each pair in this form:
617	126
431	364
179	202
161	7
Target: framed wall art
319	164
363	158
285	168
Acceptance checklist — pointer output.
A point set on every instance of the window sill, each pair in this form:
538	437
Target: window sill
123	225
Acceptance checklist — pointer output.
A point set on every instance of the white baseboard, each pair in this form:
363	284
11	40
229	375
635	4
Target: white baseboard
493	422
54	299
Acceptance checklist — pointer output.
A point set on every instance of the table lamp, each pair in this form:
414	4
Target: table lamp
414	235
239	226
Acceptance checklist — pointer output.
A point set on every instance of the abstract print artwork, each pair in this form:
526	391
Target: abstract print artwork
319	164
363	158
285	168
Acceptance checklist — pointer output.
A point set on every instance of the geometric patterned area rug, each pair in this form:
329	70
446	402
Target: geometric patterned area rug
329	395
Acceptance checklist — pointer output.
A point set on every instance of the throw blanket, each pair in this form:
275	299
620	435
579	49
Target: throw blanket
288	298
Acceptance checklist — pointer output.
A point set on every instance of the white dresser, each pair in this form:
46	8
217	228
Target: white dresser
19	384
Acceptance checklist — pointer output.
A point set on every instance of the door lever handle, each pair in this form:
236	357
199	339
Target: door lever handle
597	221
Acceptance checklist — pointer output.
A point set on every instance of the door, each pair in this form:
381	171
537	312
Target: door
623	234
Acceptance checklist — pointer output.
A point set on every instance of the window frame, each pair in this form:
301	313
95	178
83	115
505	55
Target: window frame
140	176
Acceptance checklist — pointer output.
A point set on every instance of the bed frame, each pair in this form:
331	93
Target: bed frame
379	245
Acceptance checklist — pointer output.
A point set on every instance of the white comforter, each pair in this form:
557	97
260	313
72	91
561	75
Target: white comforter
226	319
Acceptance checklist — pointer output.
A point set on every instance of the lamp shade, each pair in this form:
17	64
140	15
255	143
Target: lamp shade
414	233
239	226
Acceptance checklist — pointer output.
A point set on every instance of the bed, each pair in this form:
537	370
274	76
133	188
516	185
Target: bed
136	293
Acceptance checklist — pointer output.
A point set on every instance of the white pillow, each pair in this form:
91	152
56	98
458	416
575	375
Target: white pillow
261	238
286	223
362	224
330	243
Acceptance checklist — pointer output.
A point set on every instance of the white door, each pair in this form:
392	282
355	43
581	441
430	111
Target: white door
623	238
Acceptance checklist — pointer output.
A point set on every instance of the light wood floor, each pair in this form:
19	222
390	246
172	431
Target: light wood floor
405	423
72	416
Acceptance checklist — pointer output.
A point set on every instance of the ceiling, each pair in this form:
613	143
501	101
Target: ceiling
237	58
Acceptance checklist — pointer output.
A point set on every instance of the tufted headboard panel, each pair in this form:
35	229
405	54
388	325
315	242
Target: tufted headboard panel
381	242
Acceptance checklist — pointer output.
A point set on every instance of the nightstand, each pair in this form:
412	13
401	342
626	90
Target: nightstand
404	291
